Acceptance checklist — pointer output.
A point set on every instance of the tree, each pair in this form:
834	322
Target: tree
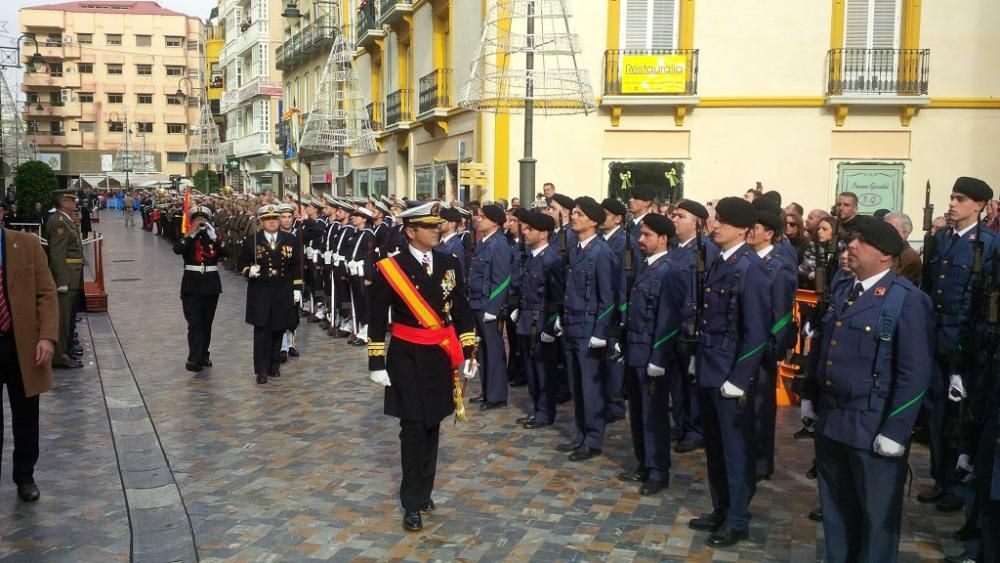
36	183
213	181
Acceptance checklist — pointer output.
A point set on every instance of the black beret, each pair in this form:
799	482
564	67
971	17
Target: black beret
974	188
774	196
644	192
766	204
880	214
520	213
494	213
614	207
563	200
659	224
694	208
879	234
591	209
736	211
451	214
770	220
539	221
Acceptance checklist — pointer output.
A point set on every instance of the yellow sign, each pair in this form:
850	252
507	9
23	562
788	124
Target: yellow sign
654	74
473	174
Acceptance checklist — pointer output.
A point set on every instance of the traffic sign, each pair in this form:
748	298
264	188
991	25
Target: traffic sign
473	174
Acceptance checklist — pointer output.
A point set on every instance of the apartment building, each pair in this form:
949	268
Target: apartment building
252	92
702	98
215	40
108	64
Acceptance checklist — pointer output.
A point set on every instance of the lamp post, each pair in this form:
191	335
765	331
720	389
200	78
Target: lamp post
10	57
127	159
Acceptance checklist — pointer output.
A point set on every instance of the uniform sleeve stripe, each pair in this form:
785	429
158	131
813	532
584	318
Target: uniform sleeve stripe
672	334
908	404
500	288
782	323
749	354
606	313
623	307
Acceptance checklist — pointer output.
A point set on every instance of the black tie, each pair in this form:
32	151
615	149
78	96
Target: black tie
954	237
855	293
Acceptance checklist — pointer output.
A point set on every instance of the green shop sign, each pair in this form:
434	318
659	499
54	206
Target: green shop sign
878	185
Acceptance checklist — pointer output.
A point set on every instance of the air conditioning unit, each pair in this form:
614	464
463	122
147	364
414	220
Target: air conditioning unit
67	40
65	95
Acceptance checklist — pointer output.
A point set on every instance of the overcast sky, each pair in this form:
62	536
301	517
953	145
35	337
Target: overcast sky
9	25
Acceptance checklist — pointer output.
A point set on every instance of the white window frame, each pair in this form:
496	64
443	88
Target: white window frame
872	64
650	8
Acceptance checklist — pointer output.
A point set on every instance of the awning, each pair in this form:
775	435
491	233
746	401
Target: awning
116	180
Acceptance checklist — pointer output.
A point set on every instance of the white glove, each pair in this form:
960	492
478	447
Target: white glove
359	268
806	411
336	259
297	295
965	463
596	343
328	257
547	338
381	377
514	315
469	369
255	271
62	288
807	329
956	391
558	327
731	391
654	370
888	448
211	232
489	318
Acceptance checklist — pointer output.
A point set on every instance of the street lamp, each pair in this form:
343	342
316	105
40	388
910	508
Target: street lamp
291	11
10	57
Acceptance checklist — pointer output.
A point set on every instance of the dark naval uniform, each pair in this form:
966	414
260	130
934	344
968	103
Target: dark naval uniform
489	282
542	285
420	371
612	370
869	384
271	306
200	289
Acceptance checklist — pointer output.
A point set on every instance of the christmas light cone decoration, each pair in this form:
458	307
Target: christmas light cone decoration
15	146
206	147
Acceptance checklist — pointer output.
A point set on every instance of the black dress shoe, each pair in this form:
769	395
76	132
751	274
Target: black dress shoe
967	533
261	379
277	373
804	434
343	334
650	488
191	366
412	522
427	506
811	473
676	435
71	364
534	424
688	446
637	476
293	353
931	495
206	363
525	419
352	340
816	515
707	522
324	324
568	447
519	382
949	503
28	492
726	537
282	356
477	399
613	419
766	477
360	342
487	405
584	453
562	399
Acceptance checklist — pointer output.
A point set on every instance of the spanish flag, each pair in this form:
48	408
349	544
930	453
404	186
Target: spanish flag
187	209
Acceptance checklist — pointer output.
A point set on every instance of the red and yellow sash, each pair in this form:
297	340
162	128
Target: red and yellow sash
434	331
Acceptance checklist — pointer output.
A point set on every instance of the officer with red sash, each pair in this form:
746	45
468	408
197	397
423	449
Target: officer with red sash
433	342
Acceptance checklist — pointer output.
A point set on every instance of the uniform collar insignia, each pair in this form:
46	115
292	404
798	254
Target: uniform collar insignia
879	291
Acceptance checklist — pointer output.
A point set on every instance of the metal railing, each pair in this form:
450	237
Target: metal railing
674	72
435	90
390	5
375	115
367	20
878	71
314	36
397	107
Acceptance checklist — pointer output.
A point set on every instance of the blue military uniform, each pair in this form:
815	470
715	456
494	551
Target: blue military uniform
588	311
859	398
783	280
734	335
612	370
654	320
489	282
543	285
454	246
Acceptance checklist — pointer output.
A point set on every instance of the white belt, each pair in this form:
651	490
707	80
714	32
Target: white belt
201	269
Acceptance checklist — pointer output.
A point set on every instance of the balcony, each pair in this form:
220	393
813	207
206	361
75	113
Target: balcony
51	80
256	87
250	145
242	38
878	77
395	10
313	39
52	109
47	139
369	29
397	110
374	110
650	76
435	94
51	50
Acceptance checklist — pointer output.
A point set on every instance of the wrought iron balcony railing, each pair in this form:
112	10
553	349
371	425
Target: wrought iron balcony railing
435	90
658	72
375	115
902	72
368	23
397	107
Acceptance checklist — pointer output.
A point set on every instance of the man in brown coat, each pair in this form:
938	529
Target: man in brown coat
29	327
909	265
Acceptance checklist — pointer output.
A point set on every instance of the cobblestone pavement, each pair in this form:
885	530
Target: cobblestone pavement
307	467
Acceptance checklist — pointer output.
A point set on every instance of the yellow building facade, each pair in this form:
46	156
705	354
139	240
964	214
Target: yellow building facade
809	98
215	40
108	64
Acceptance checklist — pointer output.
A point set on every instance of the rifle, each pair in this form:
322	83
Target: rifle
688	345
930	241
622	307
827	264
563	243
